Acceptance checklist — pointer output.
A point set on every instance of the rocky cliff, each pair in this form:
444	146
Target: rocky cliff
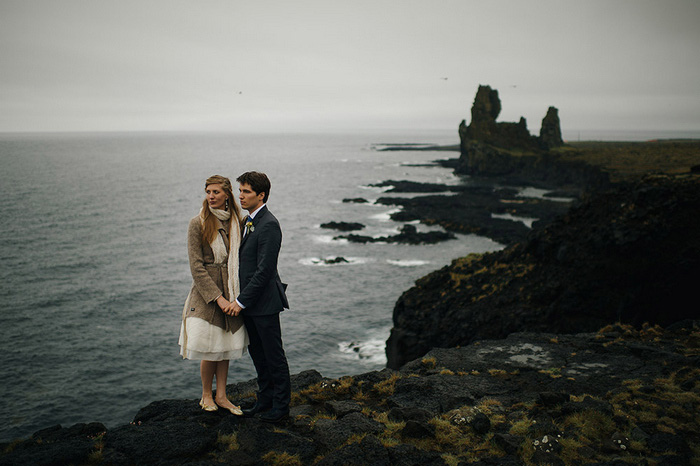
618	396
630	254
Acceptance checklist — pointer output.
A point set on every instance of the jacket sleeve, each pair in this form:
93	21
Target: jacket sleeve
202	280
268	249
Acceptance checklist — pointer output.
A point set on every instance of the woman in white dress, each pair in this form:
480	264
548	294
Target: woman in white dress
207	333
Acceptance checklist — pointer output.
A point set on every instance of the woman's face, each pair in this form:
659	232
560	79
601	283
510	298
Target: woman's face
216	196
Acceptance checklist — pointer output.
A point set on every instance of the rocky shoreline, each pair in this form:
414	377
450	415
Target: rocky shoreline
627	255
618	396
487	362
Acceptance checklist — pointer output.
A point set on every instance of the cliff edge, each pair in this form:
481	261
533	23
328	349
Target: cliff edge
629	254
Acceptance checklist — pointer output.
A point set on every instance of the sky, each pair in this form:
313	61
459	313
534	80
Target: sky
326	65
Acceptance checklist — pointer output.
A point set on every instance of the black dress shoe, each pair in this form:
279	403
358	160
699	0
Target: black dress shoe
275	415
257	408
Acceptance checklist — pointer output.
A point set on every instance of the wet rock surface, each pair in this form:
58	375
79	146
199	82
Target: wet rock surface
618	394
343	226
409	234
619	255
494	212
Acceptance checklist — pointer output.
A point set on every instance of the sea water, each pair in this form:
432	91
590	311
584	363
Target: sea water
94	263
94	271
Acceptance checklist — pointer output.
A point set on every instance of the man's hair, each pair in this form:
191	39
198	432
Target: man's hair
259	182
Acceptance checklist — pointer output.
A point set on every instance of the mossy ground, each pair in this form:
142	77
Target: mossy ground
634	410
628	160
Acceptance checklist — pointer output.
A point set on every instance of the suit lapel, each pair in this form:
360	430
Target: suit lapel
256	220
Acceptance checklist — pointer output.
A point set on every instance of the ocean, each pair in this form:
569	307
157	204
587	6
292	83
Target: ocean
94	264
95	272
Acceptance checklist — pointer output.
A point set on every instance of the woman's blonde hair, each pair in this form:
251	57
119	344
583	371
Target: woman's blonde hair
209	224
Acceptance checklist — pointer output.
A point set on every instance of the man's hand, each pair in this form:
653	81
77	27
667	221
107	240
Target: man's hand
235	309
225	305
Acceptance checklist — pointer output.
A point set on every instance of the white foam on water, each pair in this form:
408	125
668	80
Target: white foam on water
407	262
370	351
528	221
538	193
328	239
384	216
381	189
321	262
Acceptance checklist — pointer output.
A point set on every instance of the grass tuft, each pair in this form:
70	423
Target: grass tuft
282	459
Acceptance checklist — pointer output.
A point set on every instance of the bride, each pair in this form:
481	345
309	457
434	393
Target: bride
207	333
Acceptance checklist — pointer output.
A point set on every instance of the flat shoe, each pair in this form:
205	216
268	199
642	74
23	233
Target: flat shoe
206	407
235	410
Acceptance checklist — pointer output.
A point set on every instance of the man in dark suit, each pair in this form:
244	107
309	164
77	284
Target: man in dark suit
262	298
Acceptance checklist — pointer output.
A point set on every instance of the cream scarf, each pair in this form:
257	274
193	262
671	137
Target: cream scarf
220	253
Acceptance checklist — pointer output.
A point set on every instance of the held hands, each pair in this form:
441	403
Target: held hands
235	309
230	308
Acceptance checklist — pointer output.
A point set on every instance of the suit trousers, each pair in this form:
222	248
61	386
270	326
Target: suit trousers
267	353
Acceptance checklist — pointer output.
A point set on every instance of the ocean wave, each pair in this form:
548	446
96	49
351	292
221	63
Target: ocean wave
380	189
528	221
370	351
327	262
407	262
385	216
538	193
328	239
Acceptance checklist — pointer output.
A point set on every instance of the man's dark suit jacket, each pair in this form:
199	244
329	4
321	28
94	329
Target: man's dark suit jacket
262	291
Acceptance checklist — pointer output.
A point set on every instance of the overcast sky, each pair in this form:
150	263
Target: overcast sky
307	65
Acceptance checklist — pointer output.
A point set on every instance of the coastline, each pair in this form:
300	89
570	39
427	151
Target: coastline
326	410
619	394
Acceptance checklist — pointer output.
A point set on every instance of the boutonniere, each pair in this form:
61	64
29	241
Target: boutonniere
249	226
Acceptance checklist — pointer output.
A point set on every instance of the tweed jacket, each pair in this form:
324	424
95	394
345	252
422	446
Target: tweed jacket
209	281
262	291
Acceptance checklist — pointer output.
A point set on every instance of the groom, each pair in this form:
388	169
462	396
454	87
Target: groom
262	298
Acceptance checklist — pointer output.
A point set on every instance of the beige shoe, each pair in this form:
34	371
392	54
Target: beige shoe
206	407
235	410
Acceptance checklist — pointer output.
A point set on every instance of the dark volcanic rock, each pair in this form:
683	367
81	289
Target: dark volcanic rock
619	256
476	209
333	433
546	169
356	200
159	442
368	452
408	235
343	226
444	395
527	393
56	446
404	186
484	128
336	260
508	150
550	132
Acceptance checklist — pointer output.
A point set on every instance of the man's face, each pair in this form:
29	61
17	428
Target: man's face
250	200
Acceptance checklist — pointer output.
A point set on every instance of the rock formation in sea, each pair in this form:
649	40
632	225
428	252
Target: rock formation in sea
506	149
408	234
630	254
550	132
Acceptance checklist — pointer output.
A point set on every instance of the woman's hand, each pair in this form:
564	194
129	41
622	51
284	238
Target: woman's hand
224	304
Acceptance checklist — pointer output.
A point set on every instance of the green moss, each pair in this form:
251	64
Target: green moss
521	427
386	387
593	426
282	459
430	363
228	442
